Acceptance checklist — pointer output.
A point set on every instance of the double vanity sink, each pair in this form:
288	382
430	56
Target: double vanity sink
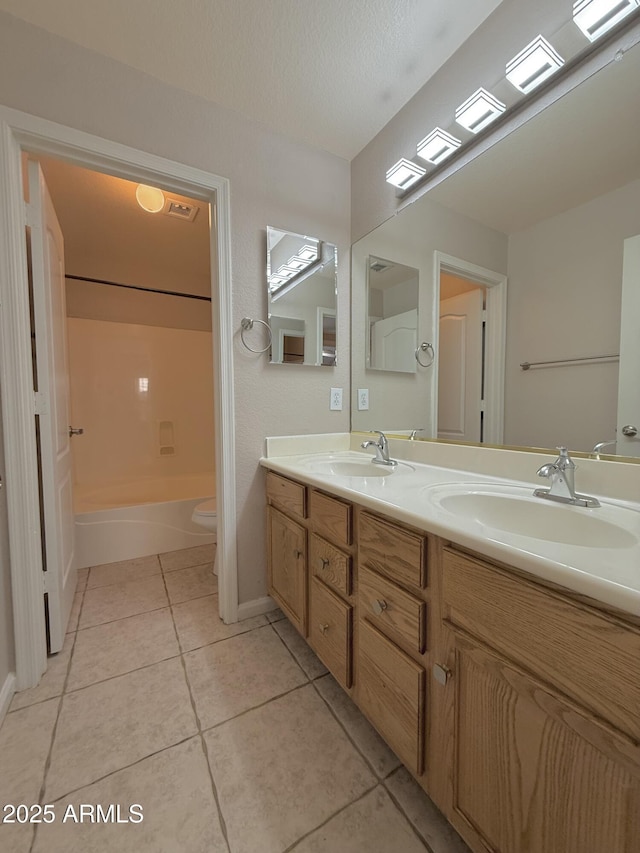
592	551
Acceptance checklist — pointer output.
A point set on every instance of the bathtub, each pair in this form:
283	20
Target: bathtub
122	521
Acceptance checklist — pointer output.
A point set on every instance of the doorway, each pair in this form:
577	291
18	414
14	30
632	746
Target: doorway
23	132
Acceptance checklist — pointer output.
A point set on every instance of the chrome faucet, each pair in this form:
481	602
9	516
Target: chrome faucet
600	446
562	476
382	449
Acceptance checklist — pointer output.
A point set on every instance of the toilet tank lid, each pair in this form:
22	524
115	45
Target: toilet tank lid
207	508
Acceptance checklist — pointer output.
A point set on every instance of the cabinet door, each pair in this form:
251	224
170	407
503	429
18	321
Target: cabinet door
288	566
330	630
533	773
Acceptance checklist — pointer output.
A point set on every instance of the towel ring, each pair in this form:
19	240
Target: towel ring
428	348
246	323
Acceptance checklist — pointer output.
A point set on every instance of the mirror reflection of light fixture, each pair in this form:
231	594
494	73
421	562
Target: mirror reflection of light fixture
533	65
479	110
404	174
595	17
150	199
437	146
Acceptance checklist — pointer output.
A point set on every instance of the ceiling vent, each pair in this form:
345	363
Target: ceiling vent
379	266
180	209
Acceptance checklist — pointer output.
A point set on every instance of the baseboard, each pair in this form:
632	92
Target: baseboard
257	607
6	694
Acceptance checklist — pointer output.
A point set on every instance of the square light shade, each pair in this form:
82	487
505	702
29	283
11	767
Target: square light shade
296	263
437	146
479	110
595	17
533	65
404	174
308	253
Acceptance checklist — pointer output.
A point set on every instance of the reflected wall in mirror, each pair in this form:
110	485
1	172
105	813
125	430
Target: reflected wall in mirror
301	290
392	315
554	207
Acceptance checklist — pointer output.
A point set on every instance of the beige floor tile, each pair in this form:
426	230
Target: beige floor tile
187	557
198	623
108	603
115	723
52	681
123	572
275	615
118	647
230	677
283	769
185	584
179	811
300	649
25	738
75	612
368	741
374	824
428	820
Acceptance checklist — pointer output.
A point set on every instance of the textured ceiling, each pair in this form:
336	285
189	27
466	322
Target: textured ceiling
329	73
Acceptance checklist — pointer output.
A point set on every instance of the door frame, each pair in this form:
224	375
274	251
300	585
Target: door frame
20	131
495	339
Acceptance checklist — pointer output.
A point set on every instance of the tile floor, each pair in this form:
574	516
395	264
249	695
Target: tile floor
231	738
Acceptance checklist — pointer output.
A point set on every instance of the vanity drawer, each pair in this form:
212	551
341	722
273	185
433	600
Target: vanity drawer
395	612
284	493
391	693
330	630
593	658
392	550
331	516
330	564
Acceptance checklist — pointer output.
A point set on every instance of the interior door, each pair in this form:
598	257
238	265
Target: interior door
628	385
393	342
52	406
460	367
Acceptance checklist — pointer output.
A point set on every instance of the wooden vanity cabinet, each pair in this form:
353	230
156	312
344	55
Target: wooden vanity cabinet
543	701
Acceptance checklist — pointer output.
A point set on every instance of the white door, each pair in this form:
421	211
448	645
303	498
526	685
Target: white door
460	367
628	382
393	342
52	405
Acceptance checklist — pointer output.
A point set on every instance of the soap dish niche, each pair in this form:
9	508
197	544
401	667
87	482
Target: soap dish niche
166	438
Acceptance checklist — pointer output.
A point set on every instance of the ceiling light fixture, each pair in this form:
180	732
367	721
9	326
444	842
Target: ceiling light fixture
437	146
150	199
405	173
533	65
479	110
595	17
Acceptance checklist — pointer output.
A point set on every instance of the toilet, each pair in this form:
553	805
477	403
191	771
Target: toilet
205	515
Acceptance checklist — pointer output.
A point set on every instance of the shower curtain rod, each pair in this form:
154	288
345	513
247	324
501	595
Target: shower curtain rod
138	287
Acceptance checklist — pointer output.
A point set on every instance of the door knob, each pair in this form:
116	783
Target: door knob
378	606
324	563
630	430
73	431
323	629
441	673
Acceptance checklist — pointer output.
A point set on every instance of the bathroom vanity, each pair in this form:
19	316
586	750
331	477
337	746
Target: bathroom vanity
513	699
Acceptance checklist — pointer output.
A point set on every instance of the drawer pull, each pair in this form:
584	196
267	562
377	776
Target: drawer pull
324	562
441	673
378	606
323	629
297	554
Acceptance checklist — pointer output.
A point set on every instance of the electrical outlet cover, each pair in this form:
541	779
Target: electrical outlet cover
335	401
363	399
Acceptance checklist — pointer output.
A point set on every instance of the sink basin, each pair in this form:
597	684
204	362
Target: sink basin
514	509
354	465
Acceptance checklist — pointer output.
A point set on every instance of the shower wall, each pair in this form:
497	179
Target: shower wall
144	396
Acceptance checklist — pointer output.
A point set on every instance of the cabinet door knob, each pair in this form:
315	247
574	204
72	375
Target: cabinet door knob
441	673
324	562
323	629
297	554
378	605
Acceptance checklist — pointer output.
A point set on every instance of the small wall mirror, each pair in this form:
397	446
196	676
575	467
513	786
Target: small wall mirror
392	315
301	288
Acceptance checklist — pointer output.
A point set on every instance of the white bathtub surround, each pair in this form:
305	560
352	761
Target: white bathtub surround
607	574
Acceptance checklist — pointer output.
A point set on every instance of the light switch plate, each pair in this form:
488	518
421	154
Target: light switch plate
363	399
335	401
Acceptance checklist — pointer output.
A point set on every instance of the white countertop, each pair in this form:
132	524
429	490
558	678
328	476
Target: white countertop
610	575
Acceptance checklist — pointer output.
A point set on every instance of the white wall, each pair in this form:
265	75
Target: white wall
273	182
565	279
7	651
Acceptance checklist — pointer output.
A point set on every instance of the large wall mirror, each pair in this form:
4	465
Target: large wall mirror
301	290
548	216
392	315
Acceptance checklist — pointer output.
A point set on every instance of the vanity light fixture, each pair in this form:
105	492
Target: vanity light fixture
297	263
308	253
533	65
405	173
595	17
150	199
437	146
479	110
